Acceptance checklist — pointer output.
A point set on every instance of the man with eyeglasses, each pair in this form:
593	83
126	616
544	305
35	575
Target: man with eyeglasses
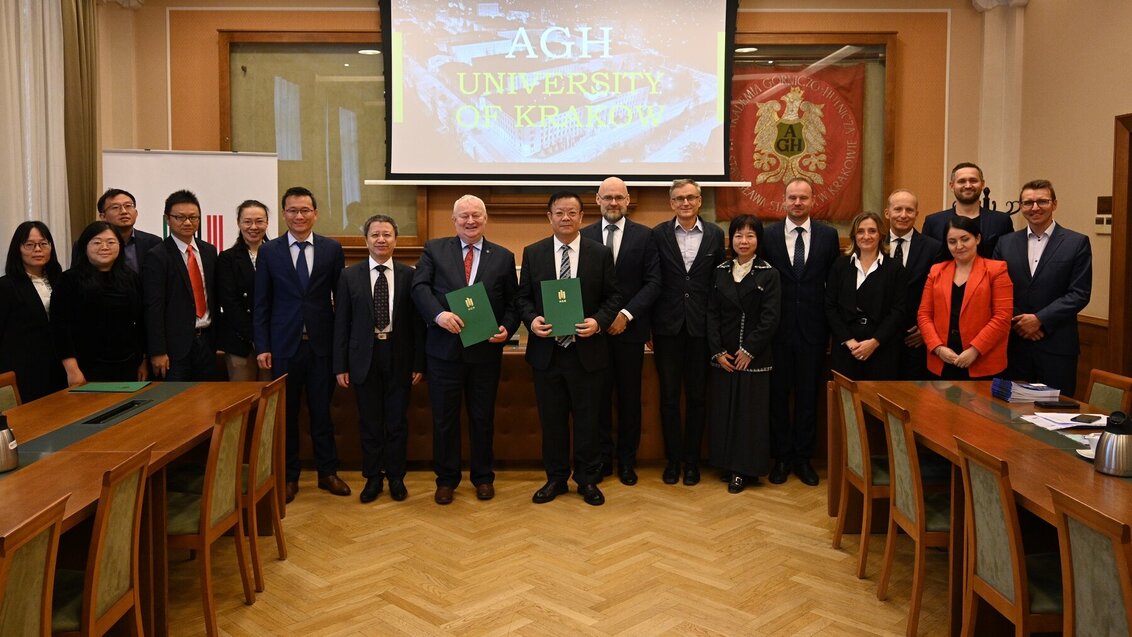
638	278
967	186
1051	268
689	249
119	209
293	326
179	296
459	374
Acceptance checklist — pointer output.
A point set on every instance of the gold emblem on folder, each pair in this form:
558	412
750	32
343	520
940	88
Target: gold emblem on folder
469	303
562	296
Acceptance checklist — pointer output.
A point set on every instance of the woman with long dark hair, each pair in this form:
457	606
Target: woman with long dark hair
30	275
235	290
96	312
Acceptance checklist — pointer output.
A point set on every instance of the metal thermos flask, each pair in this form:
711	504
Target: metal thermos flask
9	450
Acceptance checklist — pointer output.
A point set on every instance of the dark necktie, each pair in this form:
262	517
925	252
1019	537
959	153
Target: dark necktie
301	265
898	253
609	231
799	253
469	258
381	300
564	273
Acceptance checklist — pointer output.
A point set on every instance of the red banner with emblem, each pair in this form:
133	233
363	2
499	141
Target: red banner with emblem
788	123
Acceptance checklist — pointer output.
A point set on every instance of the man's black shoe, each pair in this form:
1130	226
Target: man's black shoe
779	473
549	491
671	473
592	495
805	472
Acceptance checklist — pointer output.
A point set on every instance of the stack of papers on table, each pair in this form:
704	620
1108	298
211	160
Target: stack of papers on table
1014	392
1055	421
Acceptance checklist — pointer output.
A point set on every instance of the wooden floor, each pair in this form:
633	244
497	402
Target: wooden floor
656	559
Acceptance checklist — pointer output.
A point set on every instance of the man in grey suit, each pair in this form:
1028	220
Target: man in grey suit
457	373
379	349
1051	268
638	278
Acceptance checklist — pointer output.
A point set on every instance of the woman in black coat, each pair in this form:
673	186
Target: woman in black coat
235	290
864	302
742	316
31	273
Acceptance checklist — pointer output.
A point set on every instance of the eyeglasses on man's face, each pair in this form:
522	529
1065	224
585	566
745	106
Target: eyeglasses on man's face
1041	203
295	212
184	219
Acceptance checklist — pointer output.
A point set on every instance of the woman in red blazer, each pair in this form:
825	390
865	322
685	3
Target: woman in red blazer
965	312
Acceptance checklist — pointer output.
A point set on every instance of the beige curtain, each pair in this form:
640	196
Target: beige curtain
80	71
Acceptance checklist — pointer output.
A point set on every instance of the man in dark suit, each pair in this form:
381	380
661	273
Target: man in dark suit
119	209
457	373
568	369
379	348
916	252
293	322
1051	268
638	279
178	289
802	250
688	249
967	185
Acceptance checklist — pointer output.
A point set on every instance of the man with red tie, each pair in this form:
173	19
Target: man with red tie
177	288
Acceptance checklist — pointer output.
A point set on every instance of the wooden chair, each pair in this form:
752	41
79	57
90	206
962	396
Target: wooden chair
259	478
27	572
197	520
865	472
1109	391
925	517
1026	589
1096	569
91	601
9	391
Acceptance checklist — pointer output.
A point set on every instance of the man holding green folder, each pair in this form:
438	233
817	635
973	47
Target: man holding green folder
568	298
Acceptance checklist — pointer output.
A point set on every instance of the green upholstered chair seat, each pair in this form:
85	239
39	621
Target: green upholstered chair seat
67	601
1043	576
937	510
881	476
183	513
8	398
185	478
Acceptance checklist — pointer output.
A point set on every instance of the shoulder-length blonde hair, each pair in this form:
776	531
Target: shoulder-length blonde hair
882	229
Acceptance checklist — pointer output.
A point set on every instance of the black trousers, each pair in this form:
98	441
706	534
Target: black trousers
1029	362
798	371
383	401
682	364
199	364
624	376
476	385
565	388
311	374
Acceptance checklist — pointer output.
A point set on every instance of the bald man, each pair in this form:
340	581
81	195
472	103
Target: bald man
916	252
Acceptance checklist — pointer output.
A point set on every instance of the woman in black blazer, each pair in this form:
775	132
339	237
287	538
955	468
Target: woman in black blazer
235	290
864	300
31	272
742	316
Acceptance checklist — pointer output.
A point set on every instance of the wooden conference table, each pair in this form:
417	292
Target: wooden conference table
1038	459
173	426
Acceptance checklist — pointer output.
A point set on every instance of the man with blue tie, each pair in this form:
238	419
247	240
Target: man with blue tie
296	275
1051	268
457	373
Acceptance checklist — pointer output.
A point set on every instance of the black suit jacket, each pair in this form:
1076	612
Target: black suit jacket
638	276
26	345
803	298
922	253
353	324
1058	290
683	298
992	225
170	311
440	270
744	314
879	301
601	299
235	291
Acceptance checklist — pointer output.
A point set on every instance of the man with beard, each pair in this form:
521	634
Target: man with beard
967	185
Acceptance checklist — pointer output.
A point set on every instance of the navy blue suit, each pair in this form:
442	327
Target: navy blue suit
1057	291
456	372
282	310
638	279
992	226
920	254
170	311
802	339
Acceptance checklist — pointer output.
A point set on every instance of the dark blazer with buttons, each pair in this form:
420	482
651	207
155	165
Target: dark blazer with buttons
601	299
880	300
353	324
682	302
26	345
440	270
1057	291
170	311
282	308
235	291
744	314
921	254
803	298
638	276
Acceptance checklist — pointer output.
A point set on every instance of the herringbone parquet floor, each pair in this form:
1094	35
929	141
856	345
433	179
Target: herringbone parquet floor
655	560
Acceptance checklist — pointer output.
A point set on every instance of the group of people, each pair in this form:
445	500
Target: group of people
966	298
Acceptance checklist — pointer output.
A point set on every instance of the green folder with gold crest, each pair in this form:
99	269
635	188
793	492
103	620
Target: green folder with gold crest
562	305
473	308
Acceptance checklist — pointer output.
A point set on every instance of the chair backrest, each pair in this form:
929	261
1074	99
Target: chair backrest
1109	391
221	495
9	391
268	418
903	462
1096	568
853	428
27	572
112	562
994	539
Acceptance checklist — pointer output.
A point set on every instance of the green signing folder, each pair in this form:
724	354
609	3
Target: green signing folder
562	305
473	308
